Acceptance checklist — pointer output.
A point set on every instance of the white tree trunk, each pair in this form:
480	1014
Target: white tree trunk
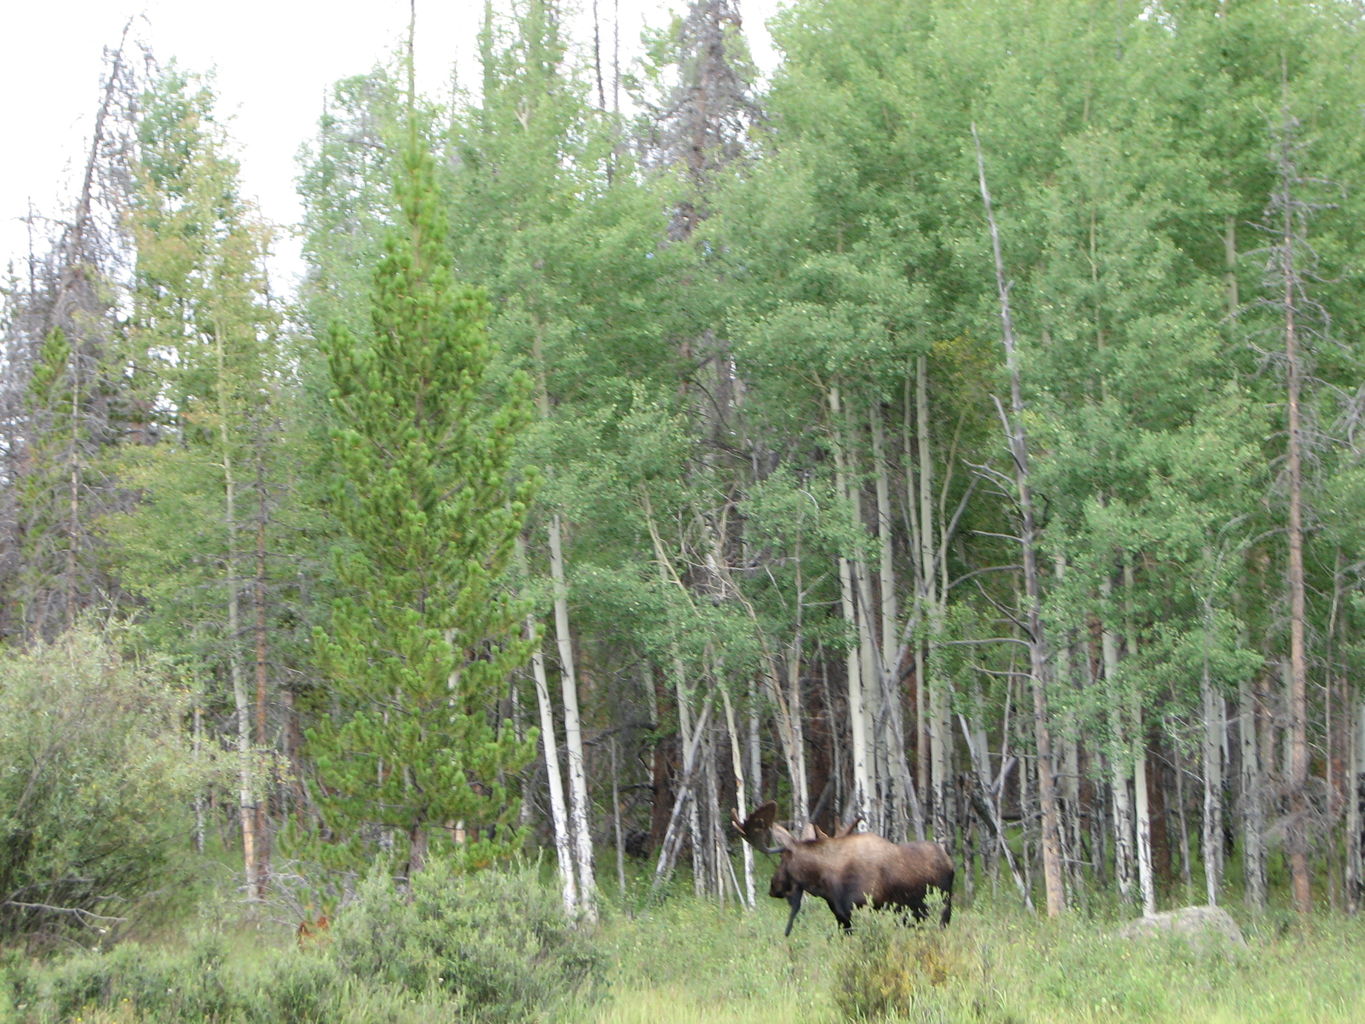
1253	806
549	745
891	740
246	789
1146	880
741	798
1069	783
573	732
1212	843
932	593
862	789
1121	759
668	851
1039	672
559	818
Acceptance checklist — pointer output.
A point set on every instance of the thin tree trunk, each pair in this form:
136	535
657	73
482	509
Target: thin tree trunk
200	825
919	484
1184	851
616	822
668	851
1142	806
1212	837
579	818
1070	781
579	825
862	789
262	645
1142	801
892	732
246	796
1298	659
933	593
1121	759
1355	876
1253	800
1037	641
741	798
559	818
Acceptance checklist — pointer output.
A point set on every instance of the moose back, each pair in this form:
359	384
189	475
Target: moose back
849	869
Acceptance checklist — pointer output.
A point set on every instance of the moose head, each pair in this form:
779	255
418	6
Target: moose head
849	869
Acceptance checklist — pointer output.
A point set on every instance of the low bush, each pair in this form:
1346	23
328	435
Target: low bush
887	969
492	946
497	940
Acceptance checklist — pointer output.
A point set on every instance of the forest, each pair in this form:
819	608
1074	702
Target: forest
958	430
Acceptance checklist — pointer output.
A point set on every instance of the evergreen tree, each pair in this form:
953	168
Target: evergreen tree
422	639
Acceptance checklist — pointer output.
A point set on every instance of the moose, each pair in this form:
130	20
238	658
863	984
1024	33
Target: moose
849	869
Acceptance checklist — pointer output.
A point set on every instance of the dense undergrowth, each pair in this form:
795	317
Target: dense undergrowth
495	948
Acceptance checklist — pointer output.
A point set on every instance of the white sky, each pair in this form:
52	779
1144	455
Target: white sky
274	61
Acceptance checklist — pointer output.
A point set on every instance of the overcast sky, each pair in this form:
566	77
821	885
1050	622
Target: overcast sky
273	60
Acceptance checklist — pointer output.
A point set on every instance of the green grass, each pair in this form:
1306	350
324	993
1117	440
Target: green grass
684	960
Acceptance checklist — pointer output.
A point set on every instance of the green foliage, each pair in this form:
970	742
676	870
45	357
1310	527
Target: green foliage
202	335
94	804
886	969
489	947
429	954
346	186
498	940
423	637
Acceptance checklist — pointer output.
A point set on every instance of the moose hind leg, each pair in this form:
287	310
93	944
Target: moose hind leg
843	913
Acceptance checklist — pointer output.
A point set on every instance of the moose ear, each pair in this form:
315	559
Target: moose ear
783	838
844	830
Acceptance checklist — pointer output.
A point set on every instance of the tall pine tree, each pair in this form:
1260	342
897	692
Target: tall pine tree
422	638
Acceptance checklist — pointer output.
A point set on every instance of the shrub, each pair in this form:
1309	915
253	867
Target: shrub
93	807
885	969
159	985
497	939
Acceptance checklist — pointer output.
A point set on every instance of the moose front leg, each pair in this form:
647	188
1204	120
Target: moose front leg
793	898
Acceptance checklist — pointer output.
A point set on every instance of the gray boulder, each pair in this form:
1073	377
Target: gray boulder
1202	926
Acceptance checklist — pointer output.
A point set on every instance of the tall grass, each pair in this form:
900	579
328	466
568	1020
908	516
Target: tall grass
995	964
685	960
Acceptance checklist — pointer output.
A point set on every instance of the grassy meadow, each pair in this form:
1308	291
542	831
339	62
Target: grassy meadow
693	962
499	952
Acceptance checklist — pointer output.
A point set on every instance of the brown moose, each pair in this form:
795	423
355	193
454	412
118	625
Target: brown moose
312	932
849	869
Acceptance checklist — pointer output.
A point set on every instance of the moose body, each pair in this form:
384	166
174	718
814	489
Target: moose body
851	869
